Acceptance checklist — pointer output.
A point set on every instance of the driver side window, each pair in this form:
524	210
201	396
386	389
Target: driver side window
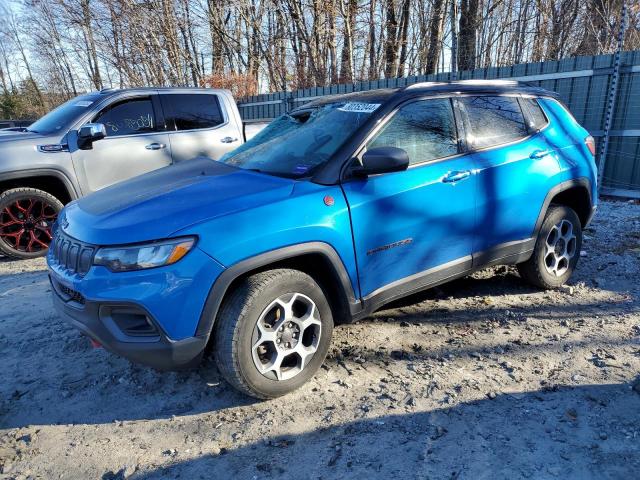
425	129
128	117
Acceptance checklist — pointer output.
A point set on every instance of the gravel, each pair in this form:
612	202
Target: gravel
484	377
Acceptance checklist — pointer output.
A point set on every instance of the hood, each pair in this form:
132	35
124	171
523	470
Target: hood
156	205
11	135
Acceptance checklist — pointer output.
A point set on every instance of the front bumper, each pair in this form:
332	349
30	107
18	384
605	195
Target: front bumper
157	351
147	316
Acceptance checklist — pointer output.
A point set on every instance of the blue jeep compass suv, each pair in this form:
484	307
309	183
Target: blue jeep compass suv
332	211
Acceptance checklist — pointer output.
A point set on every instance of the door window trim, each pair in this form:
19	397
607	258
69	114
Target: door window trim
117	100
223	112
359	151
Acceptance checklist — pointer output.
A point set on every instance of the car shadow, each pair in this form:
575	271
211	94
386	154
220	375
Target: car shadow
584	432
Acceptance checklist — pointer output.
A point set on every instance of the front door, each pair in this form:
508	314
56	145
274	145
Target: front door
417	223
134	145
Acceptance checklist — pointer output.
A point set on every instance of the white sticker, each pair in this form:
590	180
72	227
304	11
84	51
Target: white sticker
83	103
359	107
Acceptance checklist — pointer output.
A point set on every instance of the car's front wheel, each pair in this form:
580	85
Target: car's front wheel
273	333
26	218
557	249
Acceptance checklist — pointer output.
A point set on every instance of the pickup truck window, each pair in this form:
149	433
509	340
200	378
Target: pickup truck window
494	120
61	118
425	129
193	111
128	117
296	145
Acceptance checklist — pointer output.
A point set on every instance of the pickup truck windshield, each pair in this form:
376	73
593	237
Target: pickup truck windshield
59	119
296	145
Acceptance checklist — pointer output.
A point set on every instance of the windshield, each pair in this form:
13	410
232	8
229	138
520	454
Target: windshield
296	145
59	119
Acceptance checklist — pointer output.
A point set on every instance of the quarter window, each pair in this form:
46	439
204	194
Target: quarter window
128	117
192	111
425	129
493	120
536	118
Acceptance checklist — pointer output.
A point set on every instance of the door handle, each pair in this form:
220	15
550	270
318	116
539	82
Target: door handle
228	139
456	176
155	146
536	154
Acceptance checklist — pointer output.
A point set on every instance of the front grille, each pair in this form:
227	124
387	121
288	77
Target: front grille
71	254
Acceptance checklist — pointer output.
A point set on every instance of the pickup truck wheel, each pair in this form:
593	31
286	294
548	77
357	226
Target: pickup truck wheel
26	218
557	249
273	333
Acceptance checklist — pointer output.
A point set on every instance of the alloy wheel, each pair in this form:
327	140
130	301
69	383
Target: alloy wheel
25	225
561	245
286	336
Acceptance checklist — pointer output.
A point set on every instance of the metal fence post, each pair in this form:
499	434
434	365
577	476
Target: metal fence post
613	94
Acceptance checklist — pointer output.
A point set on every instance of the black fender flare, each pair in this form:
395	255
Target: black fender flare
561	187
43	172
228	276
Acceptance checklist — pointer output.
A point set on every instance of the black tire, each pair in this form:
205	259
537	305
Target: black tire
536	269
35	222
235	331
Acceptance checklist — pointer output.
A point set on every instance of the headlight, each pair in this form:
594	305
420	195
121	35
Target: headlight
148	255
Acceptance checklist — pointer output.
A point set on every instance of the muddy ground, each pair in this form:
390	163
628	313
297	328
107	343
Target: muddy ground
485	377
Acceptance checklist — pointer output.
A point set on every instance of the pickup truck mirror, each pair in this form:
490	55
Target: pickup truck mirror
382	160
90	133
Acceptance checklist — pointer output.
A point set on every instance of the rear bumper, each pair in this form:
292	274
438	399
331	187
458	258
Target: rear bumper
155	350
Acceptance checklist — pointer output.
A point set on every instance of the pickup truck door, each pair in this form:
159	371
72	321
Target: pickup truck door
199	124
414	226
135	143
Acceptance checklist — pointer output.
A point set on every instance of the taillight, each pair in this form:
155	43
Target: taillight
591	144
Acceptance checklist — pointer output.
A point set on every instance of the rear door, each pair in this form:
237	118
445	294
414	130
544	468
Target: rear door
135	143
513	161
419	222
199	125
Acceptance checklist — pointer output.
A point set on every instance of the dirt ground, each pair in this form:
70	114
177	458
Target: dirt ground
482	378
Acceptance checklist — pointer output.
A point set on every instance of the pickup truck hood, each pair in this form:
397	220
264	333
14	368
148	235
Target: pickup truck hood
11	135
158	204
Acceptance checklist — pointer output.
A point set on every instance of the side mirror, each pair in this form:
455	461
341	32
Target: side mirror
382	160
90	133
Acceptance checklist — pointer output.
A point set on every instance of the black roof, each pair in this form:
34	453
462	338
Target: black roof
497	87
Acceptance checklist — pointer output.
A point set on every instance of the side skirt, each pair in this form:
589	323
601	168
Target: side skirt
504	254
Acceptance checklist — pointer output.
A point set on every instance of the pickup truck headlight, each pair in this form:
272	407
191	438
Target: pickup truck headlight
143	256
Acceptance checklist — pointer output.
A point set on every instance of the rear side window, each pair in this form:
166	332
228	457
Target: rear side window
128	117
536	119
425	129
493	120
191	111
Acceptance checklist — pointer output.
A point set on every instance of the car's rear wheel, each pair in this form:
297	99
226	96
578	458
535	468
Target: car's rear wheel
557	249
273	333
26	218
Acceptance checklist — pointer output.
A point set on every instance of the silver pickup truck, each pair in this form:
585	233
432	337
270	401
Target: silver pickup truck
99	139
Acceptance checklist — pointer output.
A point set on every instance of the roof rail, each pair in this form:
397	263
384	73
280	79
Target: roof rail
479	82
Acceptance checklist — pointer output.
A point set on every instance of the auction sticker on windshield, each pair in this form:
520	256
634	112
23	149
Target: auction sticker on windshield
359	107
